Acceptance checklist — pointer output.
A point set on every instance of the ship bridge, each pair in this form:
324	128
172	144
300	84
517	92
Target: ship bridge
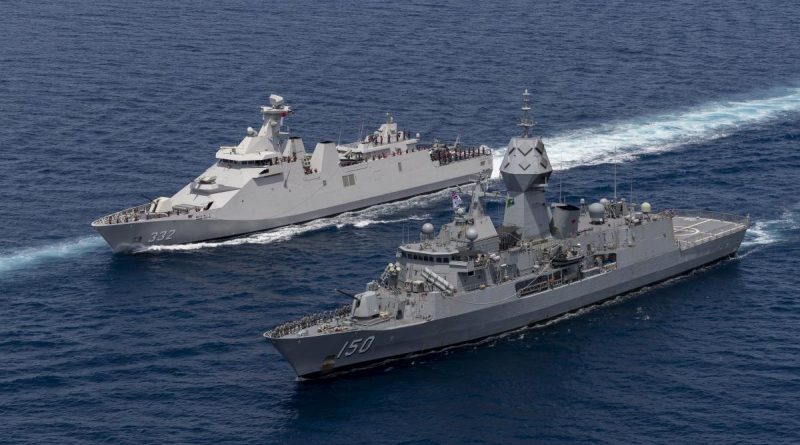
265	146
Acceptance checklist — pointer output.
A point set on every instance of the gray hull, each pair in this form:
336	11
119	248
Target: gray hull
269	180
475	279
135	235
319	355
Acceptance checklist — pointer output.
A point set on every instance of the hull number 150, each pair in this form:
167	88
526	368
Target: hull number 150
360	345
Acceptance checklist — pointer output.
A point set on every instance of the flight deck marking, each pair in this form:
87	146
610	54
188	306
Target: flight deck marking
696	224
686	231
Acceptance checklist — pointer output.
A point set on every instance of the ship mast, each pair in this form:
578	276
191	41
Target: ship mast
526	122
525	170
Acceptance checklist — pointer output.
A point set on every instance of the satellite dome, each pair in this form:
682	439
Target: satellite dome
604	201
460	211
597	212
472	234
251	131
427	228
646	207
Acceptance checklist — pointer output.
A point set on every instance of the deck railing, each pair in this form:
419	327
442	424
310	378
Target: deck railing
141	213
126	215
293	327
697	213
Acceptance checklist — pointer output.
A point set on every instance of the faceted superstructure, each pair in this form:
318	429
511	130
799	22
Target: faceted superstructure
525	170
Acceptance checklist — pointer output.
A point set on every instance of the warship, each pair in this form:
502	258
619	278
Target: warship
475	280
269	180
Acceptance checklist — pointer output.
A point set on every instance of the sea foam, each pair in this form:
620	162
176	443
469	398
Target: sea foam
626	140
622	140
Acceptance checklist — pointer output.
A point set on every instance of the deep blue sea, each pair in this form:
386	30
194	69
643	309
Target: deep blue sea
102	102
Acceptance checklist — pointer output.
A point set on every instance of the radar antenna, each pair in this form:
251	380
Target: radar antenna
526	122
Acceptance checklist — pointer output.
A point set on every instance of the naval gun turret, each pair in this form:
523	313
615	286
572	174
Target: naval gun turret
525	170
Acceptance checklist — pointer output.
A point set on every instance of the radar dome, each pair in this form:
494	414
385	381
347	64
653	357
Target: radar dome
251	131
427	228
604	201
646	207
597	212
472	234
460	211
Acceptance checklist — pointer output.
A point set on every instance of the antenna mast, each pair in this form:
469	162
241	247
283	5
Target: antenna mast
560	179
631	188
526	123
615	174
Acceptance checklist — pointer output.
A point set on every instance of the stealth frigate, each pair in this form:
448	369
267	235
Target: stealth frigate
475	280
269	180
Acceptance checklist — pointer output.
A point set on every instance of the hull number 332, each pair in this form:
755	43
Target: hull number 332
161	236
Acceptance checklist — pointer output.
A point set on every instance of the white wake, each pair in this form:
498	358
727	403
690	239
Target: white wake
30	256
626	140
763	233
621	140
374	215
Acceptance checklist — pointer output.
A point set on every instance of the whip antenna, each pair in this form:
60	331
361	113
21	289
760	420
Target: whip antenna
615	173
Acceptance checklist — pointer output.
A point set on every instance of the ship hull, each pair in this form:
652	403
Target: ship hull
184	229
324	354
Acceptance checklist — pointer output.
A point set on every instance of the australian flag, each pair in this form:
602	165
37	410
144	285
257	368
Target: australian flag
456	199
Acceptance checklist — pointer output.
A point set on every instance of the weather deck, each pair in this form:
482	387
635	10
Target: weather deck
691	230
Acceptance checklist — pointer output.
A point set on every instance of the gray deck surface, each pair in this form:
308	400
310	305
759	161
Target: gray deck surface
692	229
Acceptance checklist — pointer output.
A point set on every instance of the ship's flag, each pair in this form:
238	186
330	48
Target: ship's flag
456	199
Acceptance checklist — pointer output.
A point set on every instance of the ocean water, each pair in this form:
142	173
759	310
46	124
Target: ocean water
698	103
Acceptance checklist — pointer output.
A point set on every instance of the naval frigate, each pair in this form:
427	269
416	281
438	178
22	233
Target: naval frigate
269	180
475	280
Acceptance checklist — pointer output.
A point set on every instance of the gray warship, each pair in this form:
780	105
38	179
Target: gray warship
268	180
475	280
